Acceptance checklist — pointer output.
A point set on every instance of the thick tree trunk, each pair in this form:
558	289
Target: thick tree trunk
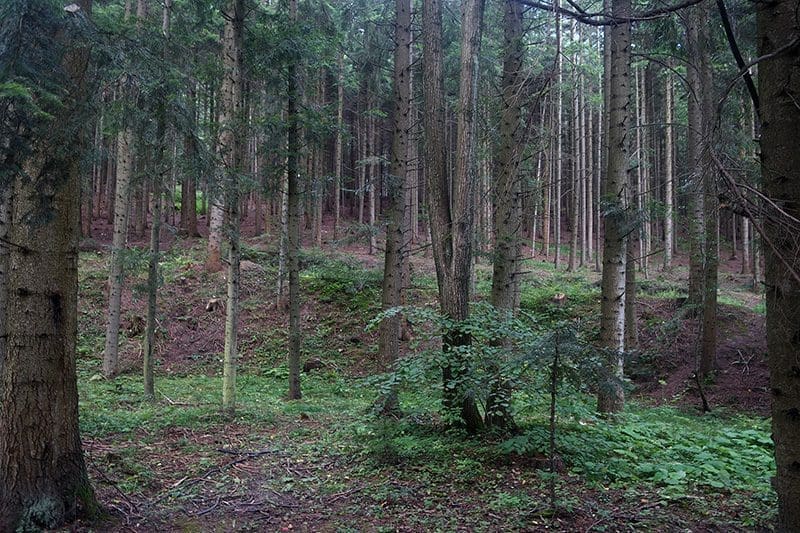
779	88
43	479
611	396
710	253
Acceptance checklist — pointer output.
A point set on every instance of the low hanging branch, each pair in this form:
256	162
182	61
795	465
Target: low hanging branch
737	55
771	213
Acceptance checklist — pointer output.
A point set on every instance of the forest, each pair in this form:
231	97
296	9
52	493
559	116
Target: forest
410	265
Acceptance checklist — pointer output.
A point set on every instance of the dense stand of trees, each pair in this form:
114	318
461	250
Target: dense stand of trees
612	137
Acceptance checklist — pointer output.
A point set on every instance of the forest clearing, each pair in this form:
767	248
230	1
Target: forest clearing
421	265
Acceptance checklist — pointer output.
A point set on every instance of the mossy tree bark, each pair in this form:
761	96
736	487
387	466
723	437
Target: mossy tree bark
43	479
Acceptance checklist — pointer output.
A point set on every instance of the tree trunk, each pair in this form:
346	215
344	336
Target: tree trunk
116	271
155	233
372	185
780	166
337	153
695	148
558	133
231	122
188	188
452	215
397	238
506	209
293	219
669	208
43	480
611	396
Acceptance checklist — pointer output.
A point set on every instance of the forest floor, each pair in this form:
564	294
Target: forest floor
325	463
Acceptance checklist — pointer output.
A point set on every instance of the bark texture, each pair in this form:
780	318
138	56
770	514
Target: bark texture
452	204
779	88
611	396
397	234
293	222
43	480
506	199
230	149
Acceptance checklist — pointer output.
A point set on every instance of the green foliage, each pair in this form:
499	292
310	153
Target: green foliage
661	447
557	297
343	282
501	349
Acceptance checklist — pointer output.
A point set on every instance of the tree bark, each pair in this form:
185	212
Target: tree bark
293	219
611	396
43	479
230	148
116	271
695	148
337	153
452	215
779	88
397	238
189	187
558	133
669	208
506	206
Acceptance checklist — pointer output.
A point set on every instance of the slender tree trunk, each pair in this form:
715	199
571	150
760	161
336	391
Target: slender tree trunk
337	153
506	208
188	188
283	250
547	188
293	219
611	396
590	173
119	238
558	132
155	232
695	147
397	238
575	195
669	208
710	203
231	121
372	185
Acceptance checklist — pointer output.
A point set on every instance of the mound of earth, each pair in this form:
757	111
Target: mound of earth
663	370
